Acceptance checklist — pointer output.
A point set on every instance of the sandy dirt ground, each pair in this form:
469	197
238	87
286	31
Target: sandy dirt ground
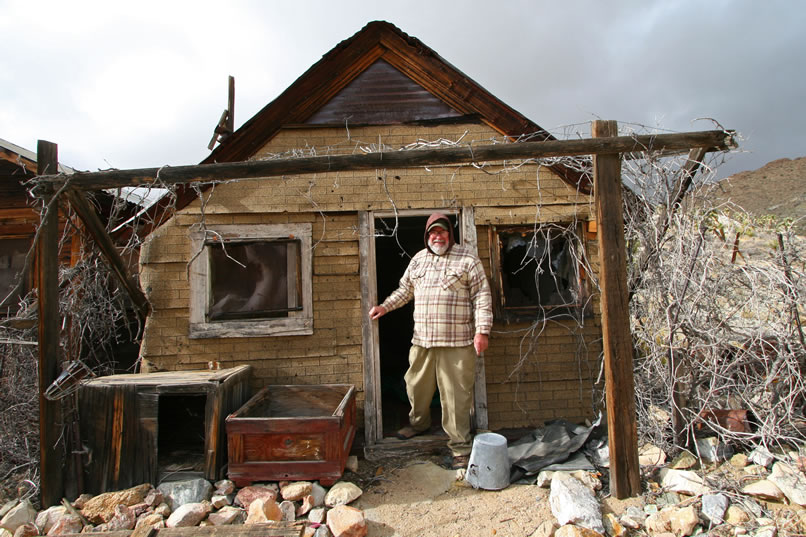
417	497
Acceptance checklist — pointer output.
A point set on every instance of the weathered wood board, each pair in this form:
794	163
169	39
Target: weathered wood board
292	432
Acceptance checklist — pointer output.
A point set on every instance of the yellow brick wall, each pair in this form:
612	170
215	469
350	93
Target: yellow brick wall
554	381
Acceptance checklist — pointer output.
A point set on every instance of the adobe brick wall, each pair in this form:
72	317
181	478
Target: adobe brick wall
524	388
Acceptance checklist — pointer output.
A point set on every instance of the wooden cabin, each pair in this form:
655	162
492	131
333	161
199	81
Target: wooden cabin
18	220
324	248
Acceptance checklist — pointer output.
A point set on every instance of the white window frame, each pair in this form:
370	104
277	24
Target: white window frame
297	323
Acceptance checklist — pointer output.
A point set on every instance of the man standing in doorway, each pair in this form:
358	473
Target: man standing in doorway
452	321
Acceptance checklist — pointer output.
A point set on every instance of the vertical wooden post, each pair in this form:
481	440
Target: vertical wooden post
231	105
619	383
47	255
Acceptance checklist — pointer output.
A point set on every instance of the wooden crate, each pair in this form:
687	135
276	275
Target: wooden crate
122	430
292	433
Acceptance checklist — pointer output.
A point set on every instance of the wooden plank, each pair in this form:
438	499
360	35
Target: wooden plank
96	228
168	378
269	529
528	215
392	447
480	417
617	342
373	420
170	175
47	255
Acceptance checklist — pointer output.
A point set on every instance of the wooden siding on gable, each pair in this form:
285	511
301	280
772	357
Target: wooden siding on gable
381	95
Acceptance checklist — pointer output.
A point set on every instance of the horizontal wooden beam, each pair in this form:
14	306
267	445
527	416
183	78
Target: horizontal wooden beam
716	140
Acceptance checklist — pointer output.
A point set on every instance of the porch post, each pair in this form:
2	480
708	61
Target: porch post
373	424
47	282
619	383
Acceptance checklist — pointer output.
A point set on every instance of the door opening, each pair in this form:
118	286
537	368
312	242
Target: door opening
393	251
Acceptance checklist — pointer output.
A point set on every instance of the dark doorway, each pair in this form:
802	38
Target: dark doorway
180	443
396	242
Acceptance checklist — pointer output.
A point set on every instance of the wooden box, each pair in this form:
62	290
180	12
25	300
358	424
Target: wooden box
292	433
144	428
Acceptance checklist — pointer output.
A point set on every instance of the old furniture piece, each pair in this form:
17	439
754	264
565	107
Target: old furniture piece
292	432
145	428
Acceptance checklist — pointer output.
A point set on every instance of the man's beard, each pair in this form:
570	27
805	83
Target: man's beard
438	249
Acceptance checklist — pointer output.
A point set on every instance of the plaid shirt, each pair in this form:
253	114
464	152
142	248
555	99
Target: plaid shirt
449	291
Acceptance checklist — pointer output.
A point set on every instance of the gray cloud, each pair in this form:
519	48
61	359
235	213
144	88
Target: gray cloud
136	88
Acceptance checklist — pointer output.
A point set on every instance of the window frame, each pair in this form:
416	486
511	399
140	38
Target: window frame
297	322
530	313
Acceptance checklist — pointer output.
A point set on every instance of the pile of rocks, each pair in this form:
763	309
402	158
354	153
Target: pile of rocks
323	512
759	495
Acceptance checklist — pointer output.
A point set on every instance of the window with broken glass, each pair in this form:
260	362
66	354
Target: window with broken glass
537	272
252	281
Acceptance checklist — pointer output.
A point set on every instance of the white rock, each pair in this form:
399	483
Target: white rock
761	456
22	513
650	455
708	448
219	500
342	493
226	515
764	489
318	492
574	503
351	463
224	487
791	482
289	510
296	491
317	515
189	514
714	507
684	481
67	524
47	518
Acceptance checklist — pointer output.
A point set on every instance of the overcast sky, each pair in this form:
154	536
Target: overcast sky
142	84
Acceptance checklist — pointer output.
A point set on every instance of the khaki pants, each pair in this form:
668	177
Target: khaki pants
453	370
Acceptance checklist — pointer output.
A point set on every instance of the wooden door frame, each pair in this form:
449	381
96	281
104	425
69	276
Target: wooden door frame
373	415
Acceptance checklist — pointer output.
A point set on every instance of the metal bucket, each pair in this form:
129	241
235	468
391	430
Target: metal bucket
488	467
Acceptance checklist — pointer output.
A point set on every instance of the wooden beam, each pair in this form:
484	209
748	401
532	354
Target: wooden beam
47	280
170	175
617	341
480	416
231	105
267	529
373	418
95	227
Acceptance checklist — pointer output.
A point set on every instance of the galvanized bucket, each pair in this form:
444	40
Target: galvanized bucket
488	467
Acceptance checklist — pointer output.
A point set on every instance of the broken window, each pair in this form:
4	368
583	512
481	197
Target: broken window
536	271
250	281
254	279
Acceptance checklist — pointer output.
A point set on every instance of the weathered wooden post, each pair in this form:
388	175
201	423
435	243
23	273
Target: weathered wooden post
47	282
619	384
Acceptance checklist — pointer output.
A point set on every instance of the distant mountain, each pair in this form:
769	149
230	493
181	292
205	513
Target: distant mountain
777	188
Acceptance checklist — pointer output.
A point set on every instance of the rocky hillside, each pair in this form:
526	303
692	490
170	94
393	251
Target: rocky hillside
778	188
